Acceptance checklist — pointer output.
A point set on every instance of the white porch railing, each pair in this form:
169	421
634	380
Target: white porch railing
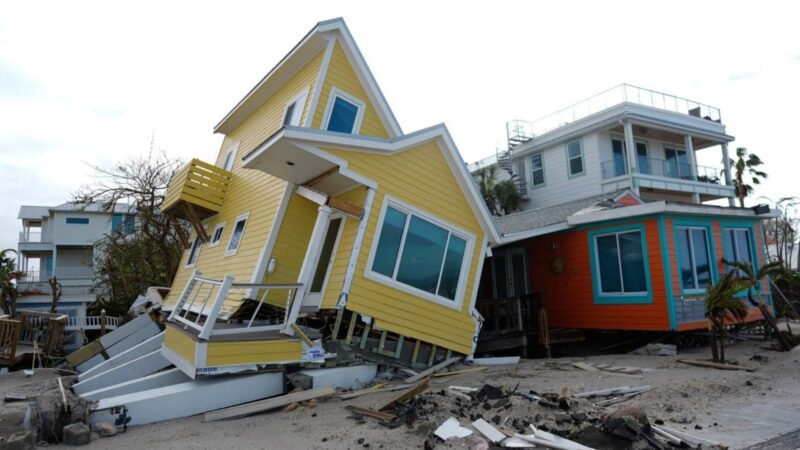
33	237
200	303
92	323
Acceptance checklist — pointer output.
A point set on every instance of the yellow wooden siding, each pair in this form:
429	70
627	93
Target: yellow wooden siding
250	191
420	177
180	343
252	352
342	258
342	76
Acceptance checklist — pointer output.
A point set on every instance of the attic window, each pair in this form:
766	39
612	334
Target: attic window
294	109
344	113
230	157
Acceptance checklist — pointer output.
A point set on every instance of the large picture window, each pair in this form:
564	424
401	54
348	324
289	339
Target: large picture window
419	252
694	258
620	263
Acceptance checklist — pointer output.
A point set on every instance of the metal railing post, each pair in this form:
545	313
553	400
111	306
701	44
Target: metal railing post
208	326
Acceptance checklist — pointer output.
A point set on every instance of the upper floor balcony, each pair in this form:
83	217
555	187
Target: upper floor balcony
197	192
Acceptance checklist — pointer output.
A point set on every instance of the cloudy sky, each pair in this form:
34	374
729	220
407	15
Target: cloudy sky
91	83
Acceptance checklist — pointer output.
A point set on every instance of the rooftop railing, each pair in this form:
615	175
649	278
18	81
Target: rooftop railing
521	130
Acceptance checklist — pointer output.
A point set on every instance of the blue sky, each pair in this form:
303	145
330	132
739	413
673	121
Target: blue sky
92	82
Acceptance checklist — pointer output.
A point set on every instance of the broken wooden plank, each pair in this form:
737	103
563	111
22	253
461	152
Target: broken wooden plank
672	439
550	440
713	365
371	413
458	372
485	428
463	388
503	360
689	438
613	391
265	405
433	369
421	387
349	395
303	337
586	367
10	398
620	399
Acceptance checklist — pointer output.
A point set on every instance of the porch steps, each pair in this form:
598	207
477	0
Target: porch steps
156	380
139	367
186	399
114	343
148	346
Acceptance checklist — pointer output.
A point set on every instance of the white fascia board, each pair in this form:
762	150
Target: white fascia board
522	235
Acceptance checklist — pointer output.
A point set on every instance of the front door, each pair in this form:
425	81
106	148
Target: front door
324	262
509	273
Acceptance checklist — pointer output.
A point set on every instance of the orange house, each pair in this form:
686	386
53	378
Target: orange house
617	263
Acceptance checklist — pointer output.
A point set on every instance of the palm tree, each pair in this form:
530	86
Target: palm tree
501	197
751	280
746	164
721	304
8	289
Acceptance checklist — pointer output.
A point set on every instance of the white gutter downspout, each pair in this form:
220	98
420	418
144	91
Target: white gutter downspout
351	265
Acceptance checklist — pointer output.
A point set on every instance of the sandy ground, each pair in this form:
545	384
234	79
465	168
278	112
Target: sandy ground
735	408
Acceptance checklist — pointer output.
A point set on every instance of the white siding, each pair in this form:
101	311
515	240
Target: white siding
79	234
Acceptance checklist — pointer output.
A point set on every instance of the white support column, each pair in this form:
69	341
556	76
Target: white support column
309	265
630	151
351	265
726	164
689	145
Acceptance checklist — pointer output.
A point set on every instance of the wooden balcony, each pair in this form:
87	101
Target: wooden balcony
196	192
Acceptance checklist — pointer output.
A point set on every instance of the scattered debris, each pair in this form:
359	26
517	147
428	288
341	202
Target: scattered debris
235	412
408	395
629	372
373	390
657	350
458	372
105	429
613	391
370	412
713	365
76	434
451	429
486	429
10	398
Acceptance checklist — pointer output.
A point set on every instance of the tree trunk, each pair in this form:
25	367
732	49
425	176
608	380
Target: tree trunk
712	334
721	338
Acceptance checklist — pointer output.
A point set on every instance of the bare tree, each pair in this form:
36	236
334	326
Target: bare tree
142	253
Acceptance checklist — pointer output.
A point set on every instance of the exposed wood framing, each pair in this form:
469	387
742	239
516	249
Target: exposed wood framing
194	219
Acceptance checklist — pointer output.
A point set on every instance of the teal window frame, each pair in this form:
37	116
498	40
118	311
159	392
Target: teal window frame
579	156
676	224
600	298
539	155
77	220
728	252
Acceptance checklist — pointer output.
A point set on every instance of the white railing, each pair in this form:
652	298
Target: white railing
74	271
33	237
200	302
92	323
661	168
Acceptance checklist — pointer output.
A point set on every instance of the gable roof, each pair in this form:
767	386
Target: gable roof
386	147
315	41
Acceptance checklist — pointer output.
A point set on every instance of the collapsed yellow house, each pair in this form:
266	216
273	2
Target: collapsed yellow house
320	211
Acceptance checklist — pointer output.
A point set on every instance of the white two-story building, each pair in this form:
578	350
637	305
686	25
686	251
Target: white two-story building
59	241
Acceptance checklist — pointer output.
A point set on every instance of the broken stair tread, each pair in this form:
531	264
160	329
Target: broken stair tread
265	405
433	369
713	365
486	429
370	412
349	395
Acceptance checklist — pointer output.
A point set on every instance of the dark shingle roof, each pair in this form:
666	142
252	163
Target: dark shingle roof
551	215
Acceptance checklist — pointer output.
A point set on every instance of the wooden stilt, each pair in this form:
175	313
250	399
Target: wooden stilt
399	347
363	343
431	358
415	353
338	323
351	327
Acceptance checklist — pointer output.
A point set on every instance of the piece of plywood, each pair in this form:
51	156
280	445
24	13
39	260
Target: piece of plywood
486	429
450	428
369	391
270	403
459	372
499	361
370	412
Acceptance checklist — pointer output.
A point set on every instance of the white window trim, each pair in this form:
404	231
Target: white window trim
619	263
696	290
241	217
299	100
466	263
569	159
335	250
232	153
334	93
544	175
211	243
197	258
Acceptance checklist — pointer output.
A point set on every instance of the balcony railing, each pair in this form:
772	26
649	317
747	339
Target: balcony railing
200	186
92	323
520	130
33	237
69	272
661	168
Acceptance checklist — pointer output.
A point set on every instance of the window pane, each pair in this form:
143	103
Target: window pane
641	158
287	119
325	255
536	162
687	270
743	246
193	252
728	237
452	267
389	242
343	116
538	177
633	275
702	261
537	170
423	253
116	222
575	166
608	257
574	149
237	235
500	276
620	164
